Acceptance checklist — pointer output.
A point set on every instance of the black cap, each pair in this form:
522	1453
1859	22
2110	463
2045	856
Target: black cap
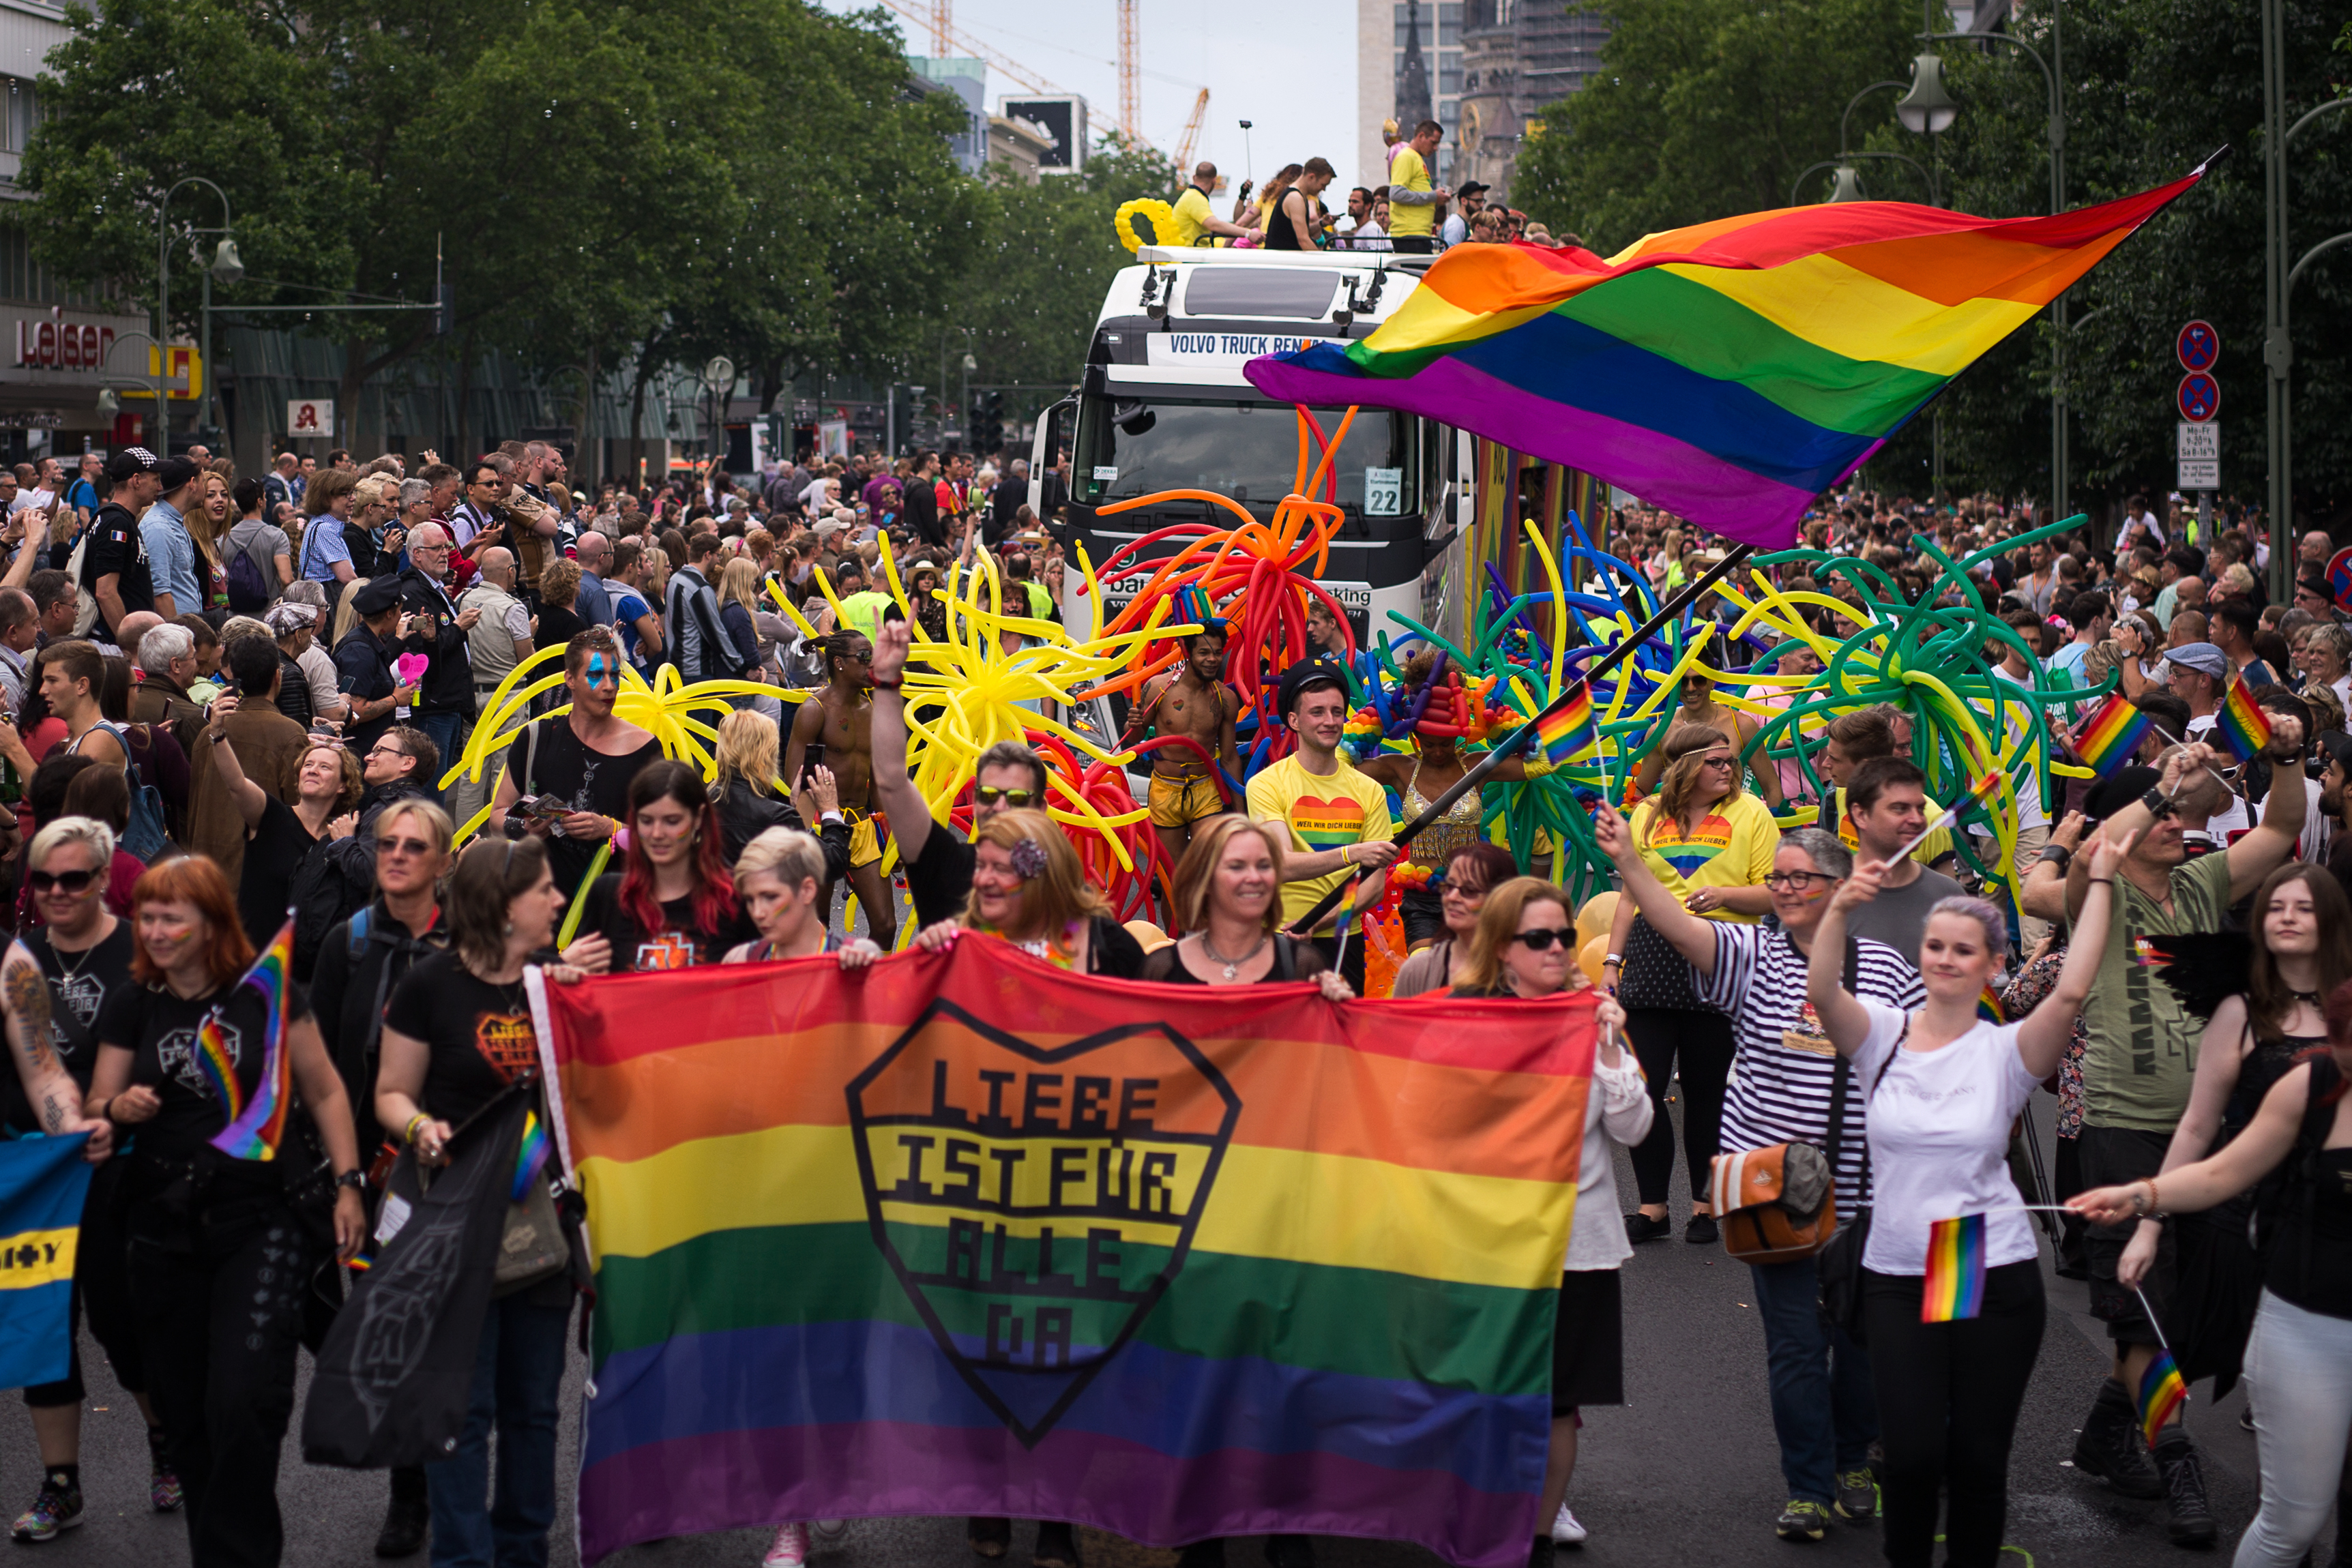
2337	745
2113	794
174	472
375	596
1472	188
1307	676
130	460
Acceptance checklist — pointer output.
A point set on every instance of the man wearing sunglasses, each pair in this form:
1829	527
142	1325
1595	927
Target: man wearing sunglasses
1008	777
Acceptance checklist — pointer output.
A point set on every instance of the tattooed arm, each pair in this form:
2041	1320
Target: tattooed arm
56	1098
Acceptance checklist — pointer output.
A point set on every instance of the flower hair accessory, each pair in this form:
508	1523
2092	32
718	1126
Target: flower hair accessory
1029	859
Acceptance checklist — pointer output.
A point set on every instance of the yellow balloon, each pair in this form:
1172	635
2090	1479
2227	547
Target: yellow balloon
1589	956
1600	912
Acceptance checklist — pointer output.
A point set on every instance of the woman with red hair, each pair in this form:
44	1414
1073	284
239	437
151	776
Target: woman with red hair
218	1259
675	904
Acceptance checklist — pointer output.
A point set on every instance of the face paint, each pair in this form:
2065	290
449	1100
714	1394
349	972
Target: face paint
599	672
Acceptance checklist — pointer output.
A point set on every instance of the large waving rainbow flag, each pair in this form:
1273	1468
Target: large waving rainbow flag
967	1233
1729	371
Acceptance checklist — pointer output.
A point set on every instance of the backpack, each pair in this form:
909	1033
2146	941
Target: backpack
249	591
144	837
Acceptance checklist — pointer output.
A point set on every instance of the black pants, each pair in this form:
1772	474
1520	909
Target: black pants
1949	1395
220	1323
1704	1041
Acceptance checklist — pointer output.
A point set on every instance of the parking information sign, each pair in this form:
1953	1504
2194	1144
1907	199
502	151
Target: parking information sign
2198	456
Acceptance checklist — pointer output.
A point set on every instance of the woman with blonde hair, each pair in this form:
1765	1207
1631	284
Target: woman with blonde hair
746	793
782	877
1709	844
207	525
1525	948
1228	903
739	600
1029	888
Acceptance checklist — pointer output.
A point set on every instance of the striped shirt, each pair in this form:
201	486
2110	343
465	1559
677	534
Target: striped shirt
1786	1069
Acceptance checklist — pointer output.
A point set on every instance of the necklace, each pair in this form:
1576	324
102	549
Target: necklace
1233	965
2312	998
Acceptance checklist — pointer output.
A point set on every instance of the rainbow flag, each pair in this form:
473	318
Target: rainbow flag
255	1127
1989	1007
1567	731
2242	725
530	1155
1954	1285
1729	372
2161	1392
966	1233
2110	738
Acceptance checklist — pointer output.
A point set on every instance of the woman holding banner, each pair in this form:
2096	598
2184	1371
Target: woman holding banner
458	1034
1525	946
1229	905
219	1259
1029	887
1940	1089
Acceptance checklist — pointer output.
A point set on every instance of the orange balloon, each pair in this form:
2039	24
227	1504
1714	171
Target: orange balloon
1588	958
1598	912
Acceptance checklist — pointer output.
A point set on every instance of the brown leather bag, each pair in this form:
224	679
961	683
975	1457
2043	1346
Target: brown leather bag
1779	1204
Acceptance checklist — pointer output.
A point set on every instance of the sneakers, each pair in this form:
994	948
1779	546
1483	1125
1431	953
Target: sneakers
163	1487
1802	1519
1857	1495
2111	1446
990	1538
1702	1230
1057	1545
789	1549
1566	1531
2189	1520
1641	1227
55	1508
827	1531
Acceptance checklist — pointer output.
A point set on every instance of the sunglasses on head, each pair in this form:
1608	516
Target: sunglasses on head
988	795
63	882
1540	939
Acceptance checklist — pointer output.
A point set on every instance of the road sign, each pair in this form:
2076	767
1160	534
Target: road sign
2198	456
312	416
2199	346
2199	397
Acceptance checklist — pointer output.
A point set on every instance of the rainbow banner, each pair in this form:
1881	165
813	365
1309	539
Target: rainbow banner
255	1126
1954	1288
2242	725
2110	738
964	1233
1729	372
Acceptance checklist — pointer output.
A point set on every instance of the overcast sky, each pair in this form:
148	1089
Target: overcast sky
1287	66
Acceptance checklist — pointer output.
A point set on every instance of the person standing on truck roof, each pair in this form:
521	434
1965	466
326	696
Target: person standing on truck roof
1291	226
1194	218
1412	199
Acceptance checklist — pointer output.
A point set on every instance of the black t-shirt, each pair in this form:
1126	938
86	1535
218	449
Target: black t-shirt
557	623
587	780
939	880
160	1030
274	851
117	549
363	670
680	943
478	1035
79	984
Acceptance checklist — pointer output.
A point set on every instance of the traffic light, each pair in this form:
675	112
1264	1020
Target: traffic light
993	432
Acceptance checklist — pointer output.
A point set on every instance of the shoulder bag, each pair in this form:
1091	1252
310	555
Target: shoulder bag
1777	1204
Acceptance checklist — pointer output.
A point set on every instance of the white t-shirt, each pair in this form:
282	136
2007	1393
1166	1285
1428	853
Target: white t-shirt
1938	1123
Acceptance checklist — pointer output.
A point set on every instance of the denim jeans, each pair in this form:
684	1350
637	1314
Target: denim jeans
2299	1382
448	733
1824	1410
518	1375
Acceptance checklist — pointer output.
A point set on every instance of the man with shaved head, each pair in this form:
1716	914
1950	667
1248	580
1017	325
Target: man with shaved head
445	695
1194	216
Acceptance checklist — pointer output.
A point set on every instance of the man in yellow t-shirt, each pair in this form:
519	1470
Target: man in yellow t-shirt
1338	818
1413	200
1194	218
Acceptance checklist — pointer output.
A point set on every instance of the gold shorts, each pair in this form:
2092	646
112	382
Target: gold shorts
1180	802
865	841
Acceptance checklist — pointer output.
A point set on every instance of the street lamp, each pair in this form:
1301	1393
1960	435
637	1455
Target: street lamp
1848	187
226	266
1927	110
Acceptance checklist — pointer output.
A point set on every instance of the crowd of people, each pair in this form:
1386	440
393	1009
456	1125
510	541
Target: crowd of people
217	715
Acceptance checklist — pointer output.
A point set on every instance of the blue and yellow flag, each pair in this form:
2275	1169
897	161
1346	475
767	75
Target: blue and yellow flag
42	1184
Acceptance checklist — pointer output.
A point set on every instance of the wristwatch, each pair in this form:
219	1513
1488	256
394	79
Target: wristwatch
351	1179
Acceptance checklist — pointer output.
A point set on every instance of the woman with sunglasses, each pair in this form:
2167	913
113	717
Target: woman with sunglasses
1228	903
675	905
219	1260
1461	888
1708	845
1525	948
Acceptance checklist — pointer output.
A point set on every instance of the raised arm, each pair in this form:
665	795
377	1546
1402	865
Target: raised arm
2042	1039
1692	937
2263	851
1843	1018
251	802
910	813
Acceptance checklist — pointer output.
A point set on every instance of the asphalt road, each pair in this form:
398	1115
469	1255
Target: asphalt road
1685	1473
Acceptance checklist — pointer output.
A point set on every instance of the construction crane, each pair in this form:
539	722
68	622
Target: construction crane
943	24
947	39
1190	139
1130	70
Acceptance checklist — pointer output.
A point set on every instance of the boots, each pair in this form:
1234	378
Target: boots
2191	1520
2111	1446
406	1521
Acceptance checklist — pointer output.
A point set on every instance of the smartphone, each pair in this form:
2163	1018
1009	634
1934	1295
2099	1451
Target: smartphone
811	760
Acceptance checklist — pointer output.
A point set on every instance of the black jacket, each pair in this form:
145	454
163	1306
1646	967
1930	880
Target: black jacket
744	813
358	970
449	683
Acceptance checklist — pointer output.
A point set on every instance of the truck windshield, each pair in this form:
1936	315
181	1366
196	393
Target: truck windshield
1248	451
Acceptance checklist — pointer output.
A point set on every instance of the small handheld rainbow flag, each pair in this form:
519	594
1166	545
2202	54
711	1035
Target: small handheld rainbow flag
255	1127
2110	737
530	1155
2161	1392
1989	1007
2242	725
1567	732
1955	1284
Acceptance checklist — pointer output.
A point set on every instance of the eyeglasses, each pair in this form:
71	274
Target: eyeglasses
62	881
380	749
989	796
403	846
1796	880
420	549
1540	939
1717	762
